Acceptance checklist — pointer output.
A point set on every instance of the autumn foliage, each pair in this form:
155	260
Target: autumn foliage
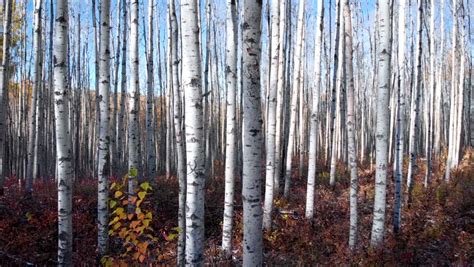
437	228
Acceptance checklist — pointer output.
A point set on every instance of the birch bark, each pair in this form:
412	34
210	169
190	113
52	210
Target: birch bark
351	126
271	118
64	159
313	135
4	77
297	86
252	134
34	99
381	141
231	152
195	180
104	138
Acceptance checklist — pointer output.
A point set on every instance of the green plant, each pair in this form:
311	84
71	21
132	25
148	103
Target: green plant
131	225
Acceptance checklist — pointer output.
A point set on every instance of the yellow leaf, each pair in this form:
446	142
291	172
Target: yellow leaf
29	216
116	219
118	211
146	222
138	211
149	215
118	194
113	185
141	195
117	225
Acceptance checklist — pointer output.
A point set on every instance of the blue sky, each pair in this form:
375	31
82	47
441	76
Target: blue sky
366	11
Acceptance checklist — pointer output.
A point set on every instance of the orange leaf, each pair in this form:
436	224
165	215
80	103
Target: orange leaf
134	224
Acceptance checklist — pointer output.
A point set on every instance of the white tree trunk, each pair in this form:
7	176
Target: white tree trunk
231	151
252	135
181	167
452	115
400	131
4	77
339	72
430	96
279	131
120	142
271	118
63	137
381	142
34	99
415	104
351	126
313	135
191	82
332	111
133	117
150	147
437	124
104	138
297	86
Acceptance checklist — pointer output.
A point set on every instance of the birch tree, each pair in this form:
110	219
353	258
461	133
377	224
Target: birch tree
133	117
123	86
150	148
313	135
181	167
34	99
104	138
64	158
231	131
193	123
351	126
271	119
279	131
297	86
332	119
381	142
400	131
416	95
7	20
452	110
430	95
252	134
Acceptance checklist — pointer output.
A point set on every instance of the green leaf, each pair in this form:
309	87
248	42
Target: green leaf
133	172
177	229
145	186
112	203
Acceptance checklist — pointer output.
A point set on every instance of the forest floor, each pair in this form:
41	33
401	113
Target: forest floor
437	228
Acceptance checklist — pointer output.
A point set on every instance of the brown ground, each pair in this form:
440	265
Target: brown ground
438	228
